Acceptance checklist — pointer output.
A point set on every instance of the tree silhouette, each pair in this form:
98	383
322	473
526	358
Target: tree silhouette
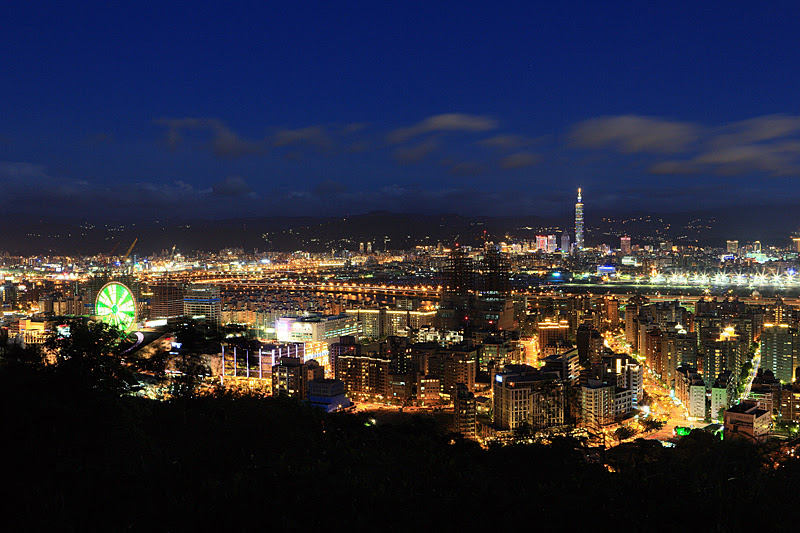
651	424
623	433
88	353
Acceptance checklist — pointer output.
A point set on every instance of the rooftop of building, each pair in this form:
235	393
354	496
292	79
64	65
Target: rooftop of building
749	408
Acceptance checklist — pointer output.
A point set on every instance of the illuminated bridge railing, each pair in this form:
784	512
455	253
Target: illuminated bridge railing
701	279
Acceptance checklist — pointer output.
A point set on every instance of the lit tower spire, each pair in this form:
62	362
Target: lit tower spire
579	222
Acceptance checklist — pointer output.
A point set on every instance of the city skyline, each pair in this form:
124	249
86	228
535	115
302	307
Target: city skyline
250	112
259	250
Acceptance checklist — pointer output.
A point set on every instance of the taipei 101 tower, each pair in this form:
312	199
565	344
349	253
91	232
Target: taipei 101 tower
579	223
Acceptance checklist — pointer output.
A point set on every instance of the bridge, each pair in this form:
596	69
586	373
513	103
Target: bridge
427	292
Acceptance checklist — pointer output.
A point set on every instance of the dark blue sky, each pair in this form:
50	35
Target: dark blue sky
264	108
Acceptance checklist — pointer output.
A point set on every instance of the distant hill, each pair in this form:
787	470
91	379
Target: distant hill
772	224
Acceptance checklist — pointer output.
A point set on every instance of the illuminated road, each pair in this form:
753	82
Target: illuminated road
664	408
752	376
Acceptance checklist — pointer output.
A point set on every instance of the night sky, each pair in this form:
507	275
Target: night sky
230	109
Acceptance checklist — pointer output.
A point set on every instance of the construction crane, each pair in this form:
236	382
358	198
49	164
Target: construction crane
129	250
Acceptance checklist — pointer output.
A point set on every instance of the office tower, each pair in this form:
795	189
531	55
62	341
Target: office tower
458	300
565	242
779	344
733	247
317	328
495	307
757	247
625	245
552	336
203	301
551	244
496	270
579	222
167	300
361	247
541	243
796	243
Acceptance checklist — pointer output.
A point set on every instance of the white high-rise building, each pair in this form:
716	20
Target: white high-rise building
579	222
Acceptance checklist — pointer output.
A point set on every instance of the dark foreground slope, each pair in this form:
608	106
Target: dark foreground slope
77	460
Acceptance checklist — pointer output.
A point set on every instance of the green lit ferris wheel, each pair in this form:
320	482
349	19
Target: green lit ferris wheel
116	306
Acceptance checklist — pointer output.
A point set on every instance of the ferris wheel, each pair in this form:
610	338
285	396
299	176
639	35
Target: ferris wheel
116	305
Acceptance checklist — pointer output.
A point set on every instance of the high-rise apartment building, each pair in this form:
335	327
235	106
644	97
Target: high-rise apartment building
779	346
291	377
464	411
364	375
597	403
521	393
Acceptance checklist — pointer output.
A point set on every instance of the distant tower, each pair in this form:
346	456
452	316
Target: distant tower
565	242
625	245
579	222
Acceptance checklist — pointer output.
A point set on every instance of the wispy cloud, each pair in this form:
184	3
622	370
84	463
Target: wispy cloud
520	160
507	142
416	153
467	168
444	122
314	136
231	186
633	133
224	143
773	159
758	129
768	145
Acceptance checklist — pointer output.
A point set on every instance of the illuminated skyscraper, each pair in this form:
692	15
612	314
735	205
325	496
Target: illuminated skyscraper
625	245
565	242
579	222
